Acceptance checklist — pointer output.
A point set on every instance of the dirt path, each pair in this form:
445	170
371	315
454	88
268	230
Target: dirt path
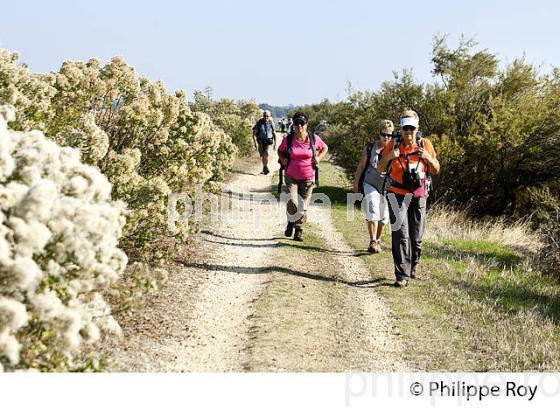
237	304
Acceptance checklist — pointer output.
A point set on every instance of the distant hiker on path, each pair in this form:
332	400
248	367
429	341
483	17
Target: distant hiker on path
282	124
299	153
264	136
370	182
290	126
410	158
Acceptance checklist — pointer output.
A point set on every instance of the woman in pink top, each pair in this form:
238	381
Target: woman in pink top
299	166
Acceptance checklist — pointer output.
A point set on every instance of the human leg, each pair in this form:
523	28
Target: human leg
417	224
375	216
305	190
264	149
400	241
291	205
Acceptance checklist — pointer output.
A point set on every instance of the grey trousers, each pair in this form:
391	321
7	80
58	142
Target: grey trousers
406	239
300	194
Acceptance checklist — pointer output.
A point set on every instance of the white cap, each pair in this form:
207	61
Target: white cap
409	121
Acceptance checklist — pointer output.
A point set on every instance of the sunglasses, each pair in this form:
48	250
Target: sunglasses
408	128
385	135
301	122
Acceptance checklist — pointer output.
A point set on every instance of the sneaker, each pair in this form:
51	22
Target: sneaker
402	283
266	171
289	230
377	246
371	247
262	172
298	236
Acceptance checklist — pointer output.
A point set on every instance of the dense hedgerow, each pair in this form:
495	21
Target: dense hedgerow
235	118
145	141
496	131
59	232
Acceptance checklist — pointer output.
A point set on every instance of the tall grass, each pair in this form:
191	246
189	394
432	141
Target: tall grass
446	222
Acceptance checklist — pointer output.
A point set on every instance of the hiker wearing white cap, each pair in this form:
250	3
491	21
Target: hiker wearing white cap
408	160
370	182
264	135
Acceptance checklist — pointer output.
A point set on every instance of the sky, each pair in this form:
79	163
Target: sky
285	52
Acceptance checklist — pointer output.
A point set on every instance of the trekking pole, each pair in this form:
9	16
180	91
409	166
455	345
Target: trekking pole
280	179
316	176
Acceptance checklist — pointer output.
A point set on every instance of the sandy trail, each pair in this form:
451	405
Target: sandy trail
204	317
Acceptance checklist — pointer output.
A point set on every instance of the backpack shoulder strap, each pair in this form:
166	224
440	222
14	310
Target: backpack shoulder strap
369	149
312	144
290	138
396	144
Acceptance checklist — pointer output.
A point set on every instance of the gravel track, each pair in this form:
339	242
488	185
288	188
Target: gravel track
204	317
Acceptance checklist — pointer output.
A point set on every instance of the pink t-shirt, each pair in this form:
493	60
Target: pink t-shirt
300	166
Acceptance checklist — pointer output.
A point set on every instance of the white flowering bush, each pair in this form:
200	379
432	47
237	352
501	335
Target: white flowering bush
235	118
59	233
146	141
29	93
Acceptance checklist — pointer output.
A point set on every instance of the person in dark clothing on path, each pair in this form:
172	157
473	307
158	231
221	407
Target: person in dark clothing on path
264	136
410	159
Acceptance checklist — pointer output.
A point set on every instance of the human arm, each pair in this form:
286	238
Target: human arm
283	153
428	154
321	154
321	149
389	154
255	137
282	158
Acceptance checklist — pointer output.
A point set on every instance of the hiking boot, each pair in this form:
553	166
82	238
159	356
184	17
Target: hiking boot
413	272
373	246
298	236
262	172
289	230
401	283
266	171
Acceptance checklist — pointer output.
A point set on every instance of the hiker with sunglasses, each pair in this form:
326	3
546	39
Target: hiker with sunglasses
367	180
408	160
299	153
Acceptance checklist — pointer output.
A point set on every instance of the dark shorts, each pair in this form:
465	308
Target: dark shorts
264	148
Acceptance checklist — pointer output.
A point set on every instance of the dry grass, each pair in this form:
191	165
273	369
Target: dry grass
446	222
480	304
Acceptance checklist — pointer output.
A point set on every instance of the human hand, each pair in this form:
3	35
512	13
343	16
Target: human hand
424	154
394	153
355	188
